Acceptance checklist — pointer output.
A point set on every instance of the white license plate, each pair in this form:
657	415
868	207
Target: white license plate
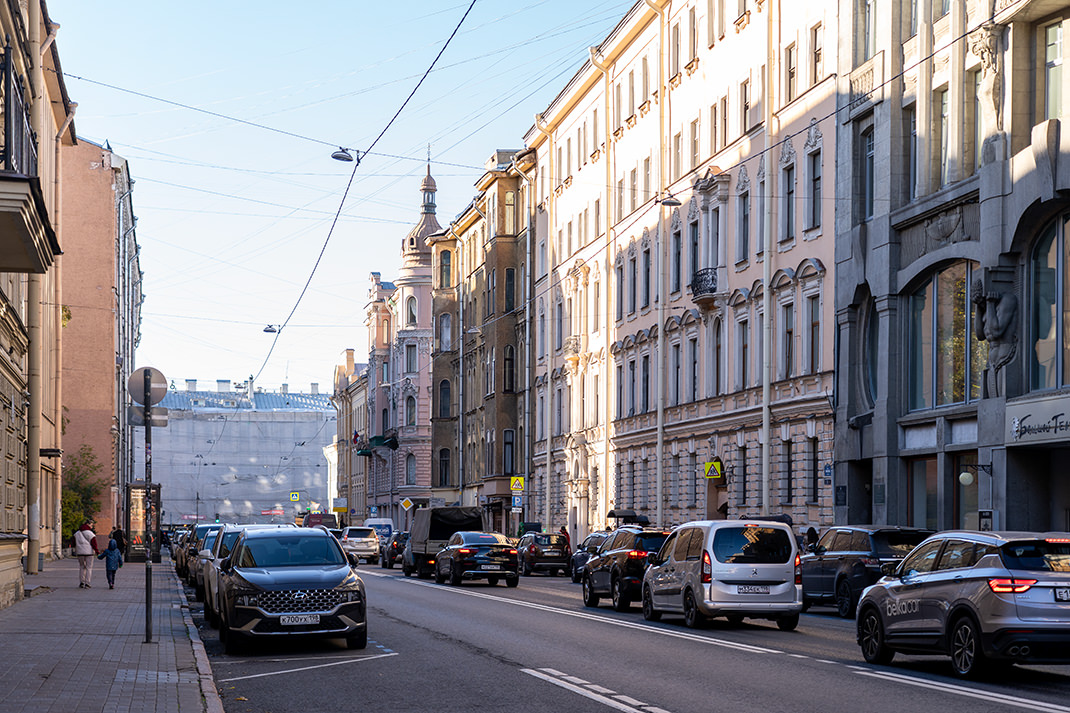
297	619
490	566
551	552
1062	594
752	589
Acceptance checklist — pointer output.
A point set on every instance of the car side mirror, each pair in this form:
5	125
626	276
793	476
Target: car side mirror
207	554
888	569
652	558
353	561
224	564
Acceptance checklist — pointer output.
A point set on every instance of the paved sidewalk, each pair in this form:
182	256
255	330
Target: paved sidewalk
72	650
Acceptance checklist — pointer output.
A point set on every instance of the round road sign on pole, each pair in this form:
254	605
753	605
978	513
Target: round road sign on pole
136	386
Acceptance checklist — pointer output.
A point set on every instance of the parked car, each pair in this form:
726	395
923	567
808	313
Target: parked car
190	546
394	549
847	559
477	555
616	570
290	582
383	526
977	597
224	542
577	563
545	551
362	542
731	568
197	564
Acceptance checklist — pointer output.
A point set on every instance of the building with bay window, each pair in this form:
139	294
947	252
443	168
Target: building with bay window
951	296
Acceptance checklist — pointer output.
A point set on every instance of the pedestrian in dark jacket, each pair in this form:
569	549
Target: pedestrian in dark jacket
113	560
120	539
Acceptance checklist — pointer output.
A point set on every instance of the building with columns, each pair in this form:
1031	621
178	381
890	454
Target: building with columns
951	263
682	207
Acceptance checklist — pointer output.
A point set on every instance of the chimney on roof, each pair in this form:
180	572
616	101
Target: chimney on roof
191	384
222	385
349	361
315	388
285	388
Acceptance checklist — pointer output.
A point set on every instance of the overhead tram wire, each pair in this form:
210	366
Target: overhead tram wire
352	176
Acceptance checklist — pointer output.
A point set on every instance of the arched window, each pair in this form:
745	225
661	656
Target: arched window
410	317
444	405
410	469
444	468
445	331
386	331
444	279
510	369
946	359
410	411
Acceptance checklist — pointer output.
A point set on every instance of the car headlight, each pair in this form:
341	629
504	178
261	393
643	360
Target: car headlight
248	600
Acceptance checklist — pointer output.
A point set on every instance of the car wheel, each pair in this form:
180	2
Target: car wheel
455	576
405	569
209	614
439	577
845	600
693	618
735	619
232	643
871	638
967	658
649	612
358	639
788	623
806	604
512	581
553	572
621	602
575	576
527	568
387	563
590	599
373	560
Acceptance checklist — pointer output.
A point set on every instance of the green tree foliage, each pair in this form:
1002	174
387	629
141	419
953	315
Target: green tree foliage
82	488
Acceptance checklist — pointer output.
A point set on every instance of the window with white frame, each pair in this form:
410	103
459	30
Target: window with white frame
788	210
790	73
743	227
787	340
817	68
742	353
813	334
1053	71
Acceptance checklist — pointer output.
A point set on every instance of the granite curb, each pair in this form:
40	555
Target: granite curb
212	702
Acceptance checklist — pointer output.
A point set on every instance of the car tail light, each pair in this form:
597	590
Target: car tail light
1057	539
798	568
1004	585
637	555
512	552
707	568
465	551
531	549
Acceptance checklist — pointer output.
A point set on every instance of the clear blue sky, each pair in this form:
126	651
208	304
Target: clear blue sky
232	217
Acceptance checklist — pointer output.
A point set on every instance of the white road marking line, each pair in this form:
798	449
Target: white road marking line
552	671
307	668
606	620
616	705
799	656
655	709
959	690
577	681
628	700
601	689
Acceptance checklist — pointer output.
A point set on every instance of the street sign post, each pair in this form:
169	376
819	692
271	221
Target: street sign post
148	386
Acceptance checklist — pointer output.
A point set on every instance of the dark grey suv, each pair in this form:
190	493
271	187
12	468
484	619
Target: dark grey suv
290	582
976	597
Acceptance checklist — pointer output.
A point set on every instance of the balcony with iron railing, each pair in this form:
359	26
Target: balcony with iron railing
27	240
704	286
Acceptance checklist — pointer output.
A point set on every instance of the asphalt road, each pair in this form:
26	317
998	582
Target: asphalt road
537	648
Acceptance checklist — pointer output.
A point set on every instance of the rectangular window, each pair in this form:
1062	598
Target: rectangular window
677	257
759	340
743	234
634	188
743	334
620	392
788	337
741	474
714	138
558	422
694	145
410	358
646	179
568	235
646	78
568	157
646	277
922	504
1053	71
675	374
510	289
693	240
594	131
868	40
760	241
913	29
633	286
644	384
789	202
790	72
631	387
944	128
941	8
597	395
816	68
692	35
692	354
508	445
815	190
674	58
865	173
631	93
744	106
620	200
813	307
789	490
910	118
620	292
677	156
976	110
598	216
617	106
596	307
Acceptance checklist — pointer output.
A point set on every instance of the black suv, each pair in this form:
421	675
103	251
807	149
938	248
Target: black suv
848	558
616	570
546	551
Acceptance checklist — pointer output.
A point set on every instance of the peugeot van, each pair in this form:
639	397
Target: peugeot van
732	568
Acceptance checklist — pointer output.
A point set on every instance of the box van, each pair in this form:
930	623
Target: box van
384	527
732	568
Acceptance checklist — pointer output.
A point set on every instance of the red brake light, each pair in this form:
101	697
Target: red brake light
466	551
1003	585
707	568
512	552
1057	539
798	568
531	549
636	555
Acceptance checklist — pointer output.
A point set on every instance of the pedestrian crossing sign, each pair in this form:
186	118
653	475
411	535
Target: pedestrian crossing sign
516	482
714	465
295	497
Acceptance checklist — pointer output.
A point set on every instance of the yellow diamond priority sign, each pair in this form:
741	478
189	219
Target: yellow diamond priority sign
406	504
516	483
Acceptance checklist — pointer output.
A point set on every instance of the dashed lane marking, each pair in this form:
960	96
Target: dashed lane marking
957	690
587	693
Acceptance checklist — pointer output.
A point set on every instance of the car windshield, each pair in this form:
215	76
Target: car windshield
650	541
485	538
209	540
1037	555
229	538
898	544
751	545
551	540
295	551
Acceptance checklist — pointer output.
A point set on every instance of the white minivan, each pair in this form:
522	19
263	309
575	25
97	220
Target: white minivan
384	527
732	568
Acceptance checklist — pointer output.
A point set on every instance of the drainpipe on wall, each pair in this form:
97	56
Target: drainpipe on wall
551	260
767	262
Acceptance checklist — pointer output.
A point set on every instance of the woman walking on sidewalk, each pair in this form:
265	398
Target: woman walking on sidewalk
85	547
113	560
